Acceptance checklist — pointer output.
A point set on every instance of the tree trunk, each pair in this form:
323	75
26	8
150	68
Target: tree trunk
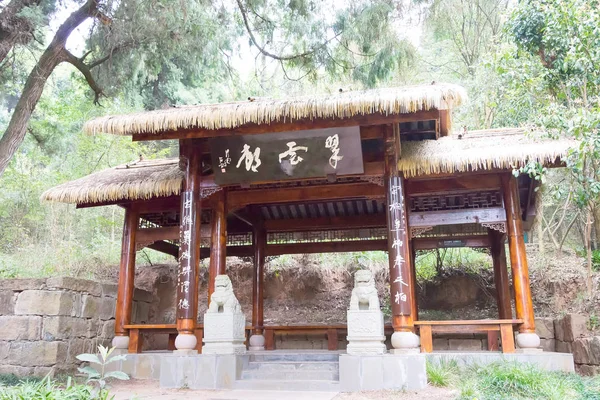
588	248
596	228
539	221
54	54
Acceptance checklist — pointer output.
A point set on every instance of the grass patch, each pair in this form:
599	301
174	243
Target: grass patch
442	374
509	380
46	388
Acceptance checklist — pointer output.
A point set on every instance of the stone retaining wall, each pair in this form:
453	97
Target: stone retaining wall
570	334
46	323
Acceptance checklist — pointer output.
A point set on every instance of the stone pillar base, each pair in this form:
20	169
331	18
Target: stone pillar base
186	342
365	332
256	343
224	333
528	341
405	341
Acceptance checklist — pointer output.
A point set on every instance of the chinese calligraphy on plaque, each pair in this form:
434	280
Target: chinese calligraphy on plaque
286	155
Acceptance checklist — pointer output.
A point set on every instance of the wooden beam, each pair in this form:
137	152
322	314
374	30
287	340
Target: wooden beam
457	217
371	132
305	248
475	241
326	247
445	122
299	125
147	235
241	198
325	223
165	247
417	187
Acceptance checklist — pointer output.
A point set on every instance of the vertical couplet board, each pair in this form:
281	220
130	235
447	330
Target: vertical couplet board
186	272
398	246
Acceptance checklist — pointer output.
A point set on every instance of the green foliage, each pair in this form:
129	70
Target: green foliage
443	373
596	260
511	380
593	322
47	389
431	263
98	379
12	379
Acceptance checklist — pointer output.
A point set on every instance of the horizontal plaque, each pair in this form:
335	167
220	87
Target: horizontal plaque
287	155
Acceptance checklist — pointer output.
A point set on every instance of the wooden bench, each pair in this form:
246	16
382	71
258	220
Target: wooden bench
136	335
489	326
330	331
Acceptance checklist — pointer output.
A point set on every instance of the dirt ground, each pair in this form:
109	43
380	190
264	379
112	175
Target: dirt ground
149	390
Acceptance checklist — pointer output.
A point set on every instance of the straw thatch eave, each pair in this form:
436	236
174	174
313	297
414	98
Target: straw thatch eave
136	181
387	101
492	149
500	149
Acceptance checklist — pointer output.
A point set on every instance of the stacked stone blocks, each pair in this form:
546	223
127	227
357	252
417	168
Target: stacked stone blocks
46	323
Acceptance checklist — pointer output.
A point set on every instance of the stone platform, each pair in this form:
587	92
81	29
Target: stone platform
323	371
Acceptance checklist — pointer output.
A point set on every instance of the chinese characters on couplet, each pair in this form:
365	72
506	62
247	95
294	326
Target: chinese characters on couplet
183	304
333	143
396	209
291	153
252	159
185	273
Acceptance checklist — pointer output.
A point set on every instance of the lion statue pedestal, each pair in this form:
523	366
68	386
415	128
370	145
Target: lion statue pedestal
365	319
224	322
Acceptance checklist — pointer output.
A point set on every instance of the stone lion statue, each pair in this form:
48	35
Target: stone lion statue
223	299
364	295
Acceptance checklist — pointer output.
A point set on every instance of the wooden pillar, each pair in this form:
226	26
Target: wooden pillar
126	277
189	249
218	241
259	239
399	253
501	282
518	258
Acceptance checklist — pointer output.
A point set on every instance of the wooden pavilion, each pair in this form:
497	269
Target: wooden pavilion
350	171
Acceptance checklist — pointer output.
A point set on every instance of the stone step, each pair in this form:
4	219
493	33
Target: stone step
291	375
288	385
295	357
293	365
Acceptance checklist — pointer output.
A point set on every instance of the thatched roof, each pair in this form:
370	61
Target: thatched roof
386	101
140	181
478	150
506	148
